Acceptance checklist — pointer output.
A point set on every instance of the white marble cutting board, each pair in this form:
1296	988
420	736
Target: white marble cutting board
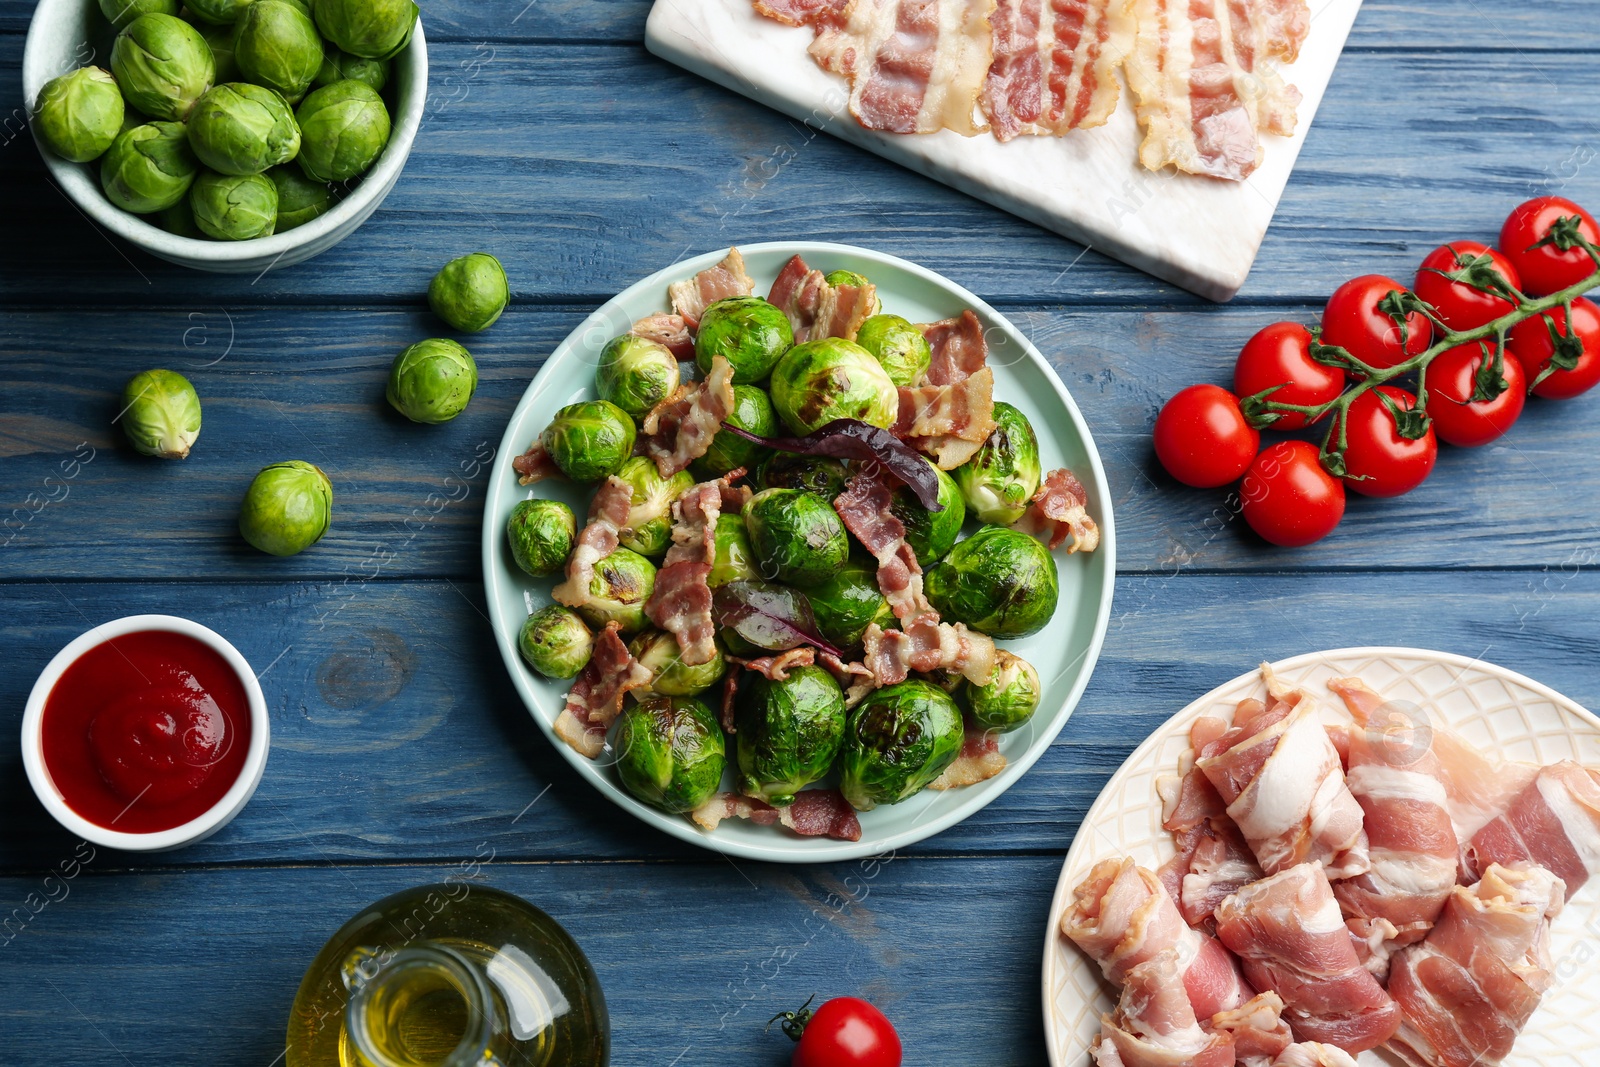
1200	233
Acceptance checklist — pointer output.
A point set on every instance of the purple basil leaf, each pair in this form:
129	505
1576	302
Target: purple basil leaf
773	617
854	439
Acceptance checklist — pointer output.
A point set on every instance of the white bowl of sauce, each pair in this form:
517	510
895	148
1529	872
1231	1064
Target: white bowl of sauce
146	734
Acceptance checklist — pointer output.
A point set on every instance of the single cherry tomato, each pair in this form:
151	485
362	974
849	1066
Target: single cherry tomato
1280	355
1458	304
1546	269
1378	461
1352	321
1288	498
1532	343
844	1032
1202	437
1454	375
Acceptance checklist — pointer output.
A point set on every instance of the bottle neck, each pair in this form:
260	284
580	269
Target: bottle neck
424	1005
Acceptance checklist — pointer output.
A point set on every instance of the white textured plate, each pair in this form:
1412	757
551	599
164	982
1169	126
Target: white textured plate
1497	710
1064	651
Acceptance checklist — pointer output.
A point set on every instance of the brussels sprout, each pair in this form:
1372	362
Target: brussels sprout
338	66
234	207
178	220
160	414
275	44
470	292
78	115
648	530
148	168
847	601
287	508
998	581
432	381
797	536
372	29
162	65
789	733
589	440
122	12
751	411
733	559
216	12
819	381
670	752
930	533
621	587
555	642
898	346
1002	476
239	128
343	130
300	200
748	332
636	374
815	474
1010	698
659	653
541	533
897	740
837	278
220	40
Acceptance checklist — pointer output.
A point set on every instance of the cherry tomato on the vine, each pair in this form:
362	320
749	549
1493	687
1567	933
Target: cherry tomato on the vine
1459	305
1352	321
1202	437
1453	377
1288	498
1378	461
1531	342
1280	355
1546	269
844	1032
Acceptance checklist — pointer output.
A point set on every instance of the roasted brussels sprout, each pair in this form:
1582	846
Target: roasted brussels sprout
239	128
751	411
541	533
734	559
287	508
300	200
470	292
589	440
897	345
670	752
338	66
162	65
234	207
372	29
555	642
121	12
148	168
846	601
343	130
648	530
930	533
217	12
849	277
432	381
178	220
659	653
275	44
160	414
1002	476
636	374
1010	698
796	536
998	581
815	474
897	740
748	332
789	733
621	587
78	115
819	381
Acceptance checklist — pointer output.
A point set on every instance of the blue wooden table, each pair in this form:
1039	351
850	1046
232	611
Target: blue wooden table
400	752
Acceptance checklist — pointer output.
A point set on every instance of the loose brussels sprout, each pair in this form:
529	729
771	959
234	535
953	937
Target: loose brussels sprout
1002	476
470	292
217	12
275	44
748	332
648	530
239	128
789	733
220	40
998	581
343	130
797	536
148	168
898	346
178	220
847	601
338	66
287	508
636	374
555	642
541	533
897	740
930	533
160	414
78	115
733	559
372	29
751	411
162	65
819	381
815	474
849	277
234	207
1010	698
432	381
300	200
122	12
659	653
589	440
621	587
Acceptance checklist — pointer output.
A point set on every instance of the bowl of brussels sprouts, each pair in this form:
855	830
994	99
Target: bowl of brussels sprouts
232	136
786	555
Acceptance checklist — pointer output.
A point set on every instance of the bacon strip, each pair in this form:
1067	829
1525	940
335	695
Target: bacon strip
691	297
980	760
534	465
927	645
864	509
679	430
608	513
776	667
681	601
595	699
1155	1023
669	330
1055	65
814	813
1058	511
932	410
802	12
1257	1028
956	348
1554	822
816	309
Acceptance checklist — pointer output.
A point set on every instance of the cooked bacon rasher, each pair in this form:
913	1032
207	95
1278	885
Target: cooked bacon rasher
1059	511
814	813
1055	65
608	513
816	309
692	296
595	700
679	430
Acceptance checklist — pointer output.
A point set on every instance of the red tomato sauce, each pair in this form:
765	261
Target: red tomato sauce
146	731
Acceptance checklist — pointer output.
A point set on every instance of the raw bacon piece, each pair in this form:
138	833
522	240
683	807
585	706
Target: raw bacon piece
1055	65
681	601
776	667
1257	1028
595	699
980	760
814	813
679	430
1554	822
727	279
1155	1023
1314	1054
534	465
669	330
926	644
1213	859
864	509
608	513
1059	510
963	410
816	309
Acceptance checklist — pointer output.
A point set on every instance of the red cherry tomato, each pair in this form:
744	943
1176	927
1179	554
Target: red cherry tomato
1458	304
1546	269
1288	498
1378	461
1530	342
1452	379
1281	355
1202	437
1352	321
844	1032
